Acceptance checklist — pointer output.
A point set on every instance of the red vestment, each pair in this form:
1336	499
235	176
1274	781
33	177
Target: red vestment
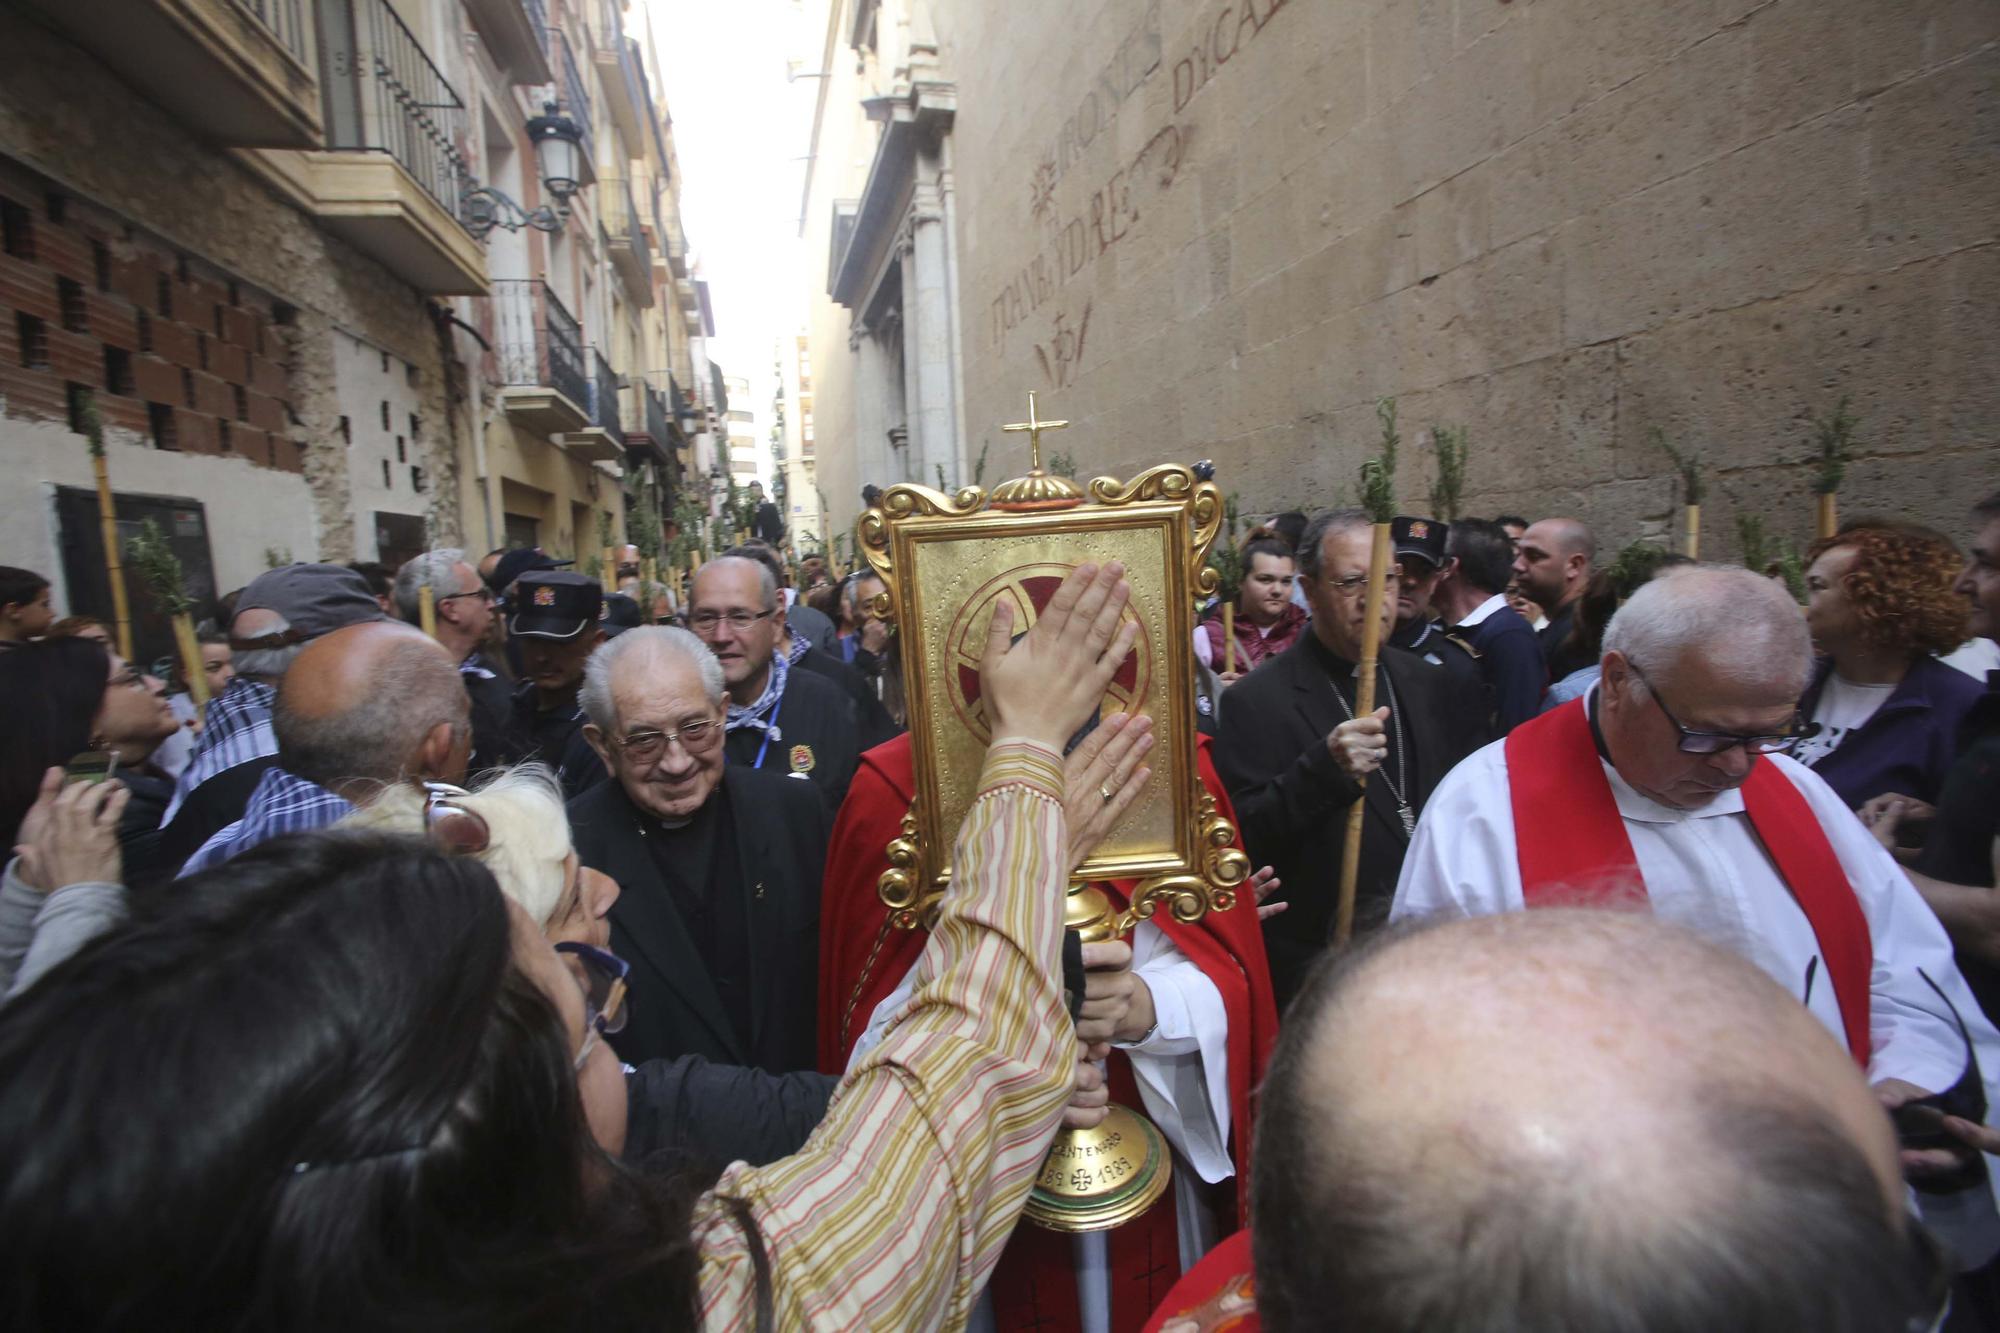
863	958
1573	848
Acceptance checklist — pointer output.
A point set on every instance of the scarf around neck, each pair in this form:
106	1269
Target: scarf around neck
760	716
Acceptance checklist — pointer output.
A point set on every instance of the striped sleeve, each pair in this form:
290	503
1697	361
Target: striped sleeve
895	1211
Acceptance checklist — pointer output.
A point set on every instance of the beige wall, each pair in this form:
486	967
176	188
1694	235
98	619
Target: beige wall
1225	228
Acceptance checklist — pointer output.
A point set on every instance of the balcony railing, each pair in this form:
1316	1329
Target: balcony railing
384	94
285	20
657	418
575	92
604	413
537	341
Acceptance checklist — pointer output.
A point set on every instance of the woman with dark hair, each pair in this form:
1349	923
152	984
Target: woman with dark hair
339	1083
1885	711
1601	597
74	696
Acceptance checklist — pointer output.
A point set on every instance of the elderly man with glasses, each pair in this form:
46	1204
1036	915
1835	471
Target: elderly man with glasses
463	608
1292	752
718	864
782	718
1667	788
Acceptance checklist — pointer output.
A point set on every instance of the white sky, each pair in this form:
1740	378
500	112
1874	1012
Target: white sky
738	126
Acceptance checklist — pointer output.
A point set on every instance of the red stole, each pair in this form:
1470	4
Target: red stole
863	959
1217	1295
1573	848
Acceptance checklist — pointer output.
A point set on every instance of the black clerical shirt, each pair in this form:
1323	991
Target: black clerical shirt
699	865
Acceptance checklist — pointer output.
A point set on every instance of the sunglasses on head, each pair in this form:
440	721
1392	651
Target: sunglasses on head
449	826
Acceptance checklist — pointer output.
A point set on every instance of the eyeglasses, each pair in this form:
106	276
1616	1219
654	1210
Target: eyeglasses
1346	587
451	827
130	678
1716	742
644	747
704	622
482	592
603	993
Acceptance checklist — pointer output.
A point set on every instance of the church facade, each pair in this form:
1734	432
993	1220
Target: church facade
1575	228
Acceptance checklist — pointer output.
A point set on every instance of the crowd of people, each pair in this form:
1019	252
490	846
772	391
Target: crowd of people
531	971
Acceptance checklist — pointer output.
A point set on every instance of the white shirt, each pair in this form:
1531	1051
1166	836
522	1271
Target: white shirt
1842	709
1706	870
1975	657
1483	610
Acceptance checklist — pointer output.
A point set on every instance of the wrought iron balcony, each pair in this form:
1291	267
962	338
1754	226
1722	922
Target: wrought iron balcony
240	73
516	32
575	93
538	355
385	95
604	409
628	249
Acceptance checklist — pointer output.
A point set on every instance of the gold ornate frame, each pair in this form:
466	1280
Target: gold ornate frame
943	559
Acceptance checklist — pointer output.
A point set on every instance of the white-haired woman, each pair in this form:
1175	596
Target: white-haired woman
688	1108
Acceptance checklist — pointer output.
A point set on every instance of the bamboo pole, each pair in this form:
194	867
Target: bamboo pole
1364	704
1829	514
427	615
197	679
1229	637
114	559
1694	532
649	587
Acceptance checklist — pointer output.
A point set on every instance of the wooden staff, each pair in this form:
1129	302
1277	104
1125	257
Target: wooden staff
1694	532
1364	704
1229	637
1829	514
190	649
609	570
650	587
427	612
114	559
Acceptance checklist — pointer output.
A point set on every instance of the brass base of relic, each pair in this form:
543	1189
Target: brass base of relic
1096	1179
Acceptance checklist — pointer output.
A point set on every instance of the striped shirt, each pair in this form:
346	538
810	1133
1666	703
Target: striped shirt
280	804
895	1211
235	730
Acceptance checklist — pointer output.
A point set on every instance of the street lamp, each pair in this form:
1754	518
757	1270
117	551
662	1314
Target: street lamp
559	156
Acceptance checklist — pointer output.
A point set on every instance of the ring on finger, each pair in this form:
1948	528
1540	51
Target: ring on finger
1106	793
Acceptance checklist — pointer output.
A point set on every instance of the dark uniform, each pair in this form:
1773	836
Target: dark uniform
818	737
561	606
1422	540
496	741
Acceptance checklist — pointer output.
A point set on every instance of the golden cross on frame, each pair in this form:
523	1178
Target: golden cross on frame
1034	429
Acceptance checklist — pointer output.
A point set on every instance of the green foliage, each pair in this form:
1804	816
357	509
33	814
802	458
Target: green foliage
93	424
1687	463
690	518
1061	465
643	527
1754	541
979	466
157	564
1634	565
1450	485
277	557
1792	569
1378	474
1833	444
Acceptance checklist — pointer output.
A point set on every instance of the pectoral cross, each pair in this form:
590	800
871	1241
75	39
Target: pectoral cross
1034	428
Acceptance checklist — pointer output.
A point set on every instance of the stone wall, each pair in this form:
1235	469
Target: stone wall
1224	228
65	116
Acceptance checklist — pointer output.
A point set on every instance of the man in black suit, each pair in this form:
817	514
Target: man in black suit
718	864
782	718
801	641
1552	568
766	523
1472	597
1290	750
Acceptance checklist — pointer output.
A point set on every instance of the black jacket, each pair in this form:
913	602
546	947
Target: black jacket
1292	797
715	1114
496	740
781	831
819	737
871	718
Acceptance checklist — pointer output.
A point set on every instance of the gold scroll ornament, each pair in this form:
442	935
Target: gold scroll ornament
945	561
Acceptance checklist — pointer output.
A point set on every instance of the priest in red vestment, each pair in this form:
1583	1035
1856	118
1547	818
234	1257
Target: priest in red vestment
1193	1074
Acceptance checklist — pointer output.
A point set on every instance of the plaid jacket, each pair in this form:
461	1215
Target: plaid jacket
281	804
235	730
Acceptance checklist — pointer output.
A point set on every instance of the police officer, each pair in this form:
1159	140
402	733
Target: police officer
557	622
1420	560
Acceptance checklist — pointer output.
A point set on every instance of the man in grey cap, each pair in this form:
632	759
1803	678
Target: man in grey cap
276	616
557	620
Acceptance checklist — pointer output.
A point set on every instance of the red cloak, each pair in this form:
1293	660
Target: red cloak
863	959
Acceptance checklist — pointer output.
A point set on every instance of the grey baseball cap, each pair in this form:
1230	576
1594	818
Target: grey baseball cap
313	599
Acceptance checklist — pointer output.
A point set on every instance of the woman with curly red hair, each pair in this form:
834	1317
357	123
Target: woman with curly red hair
1885	712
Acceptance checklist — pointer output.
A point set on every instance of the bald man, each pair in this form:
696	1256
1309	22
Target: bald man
360	709
1574	1120
1552	568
